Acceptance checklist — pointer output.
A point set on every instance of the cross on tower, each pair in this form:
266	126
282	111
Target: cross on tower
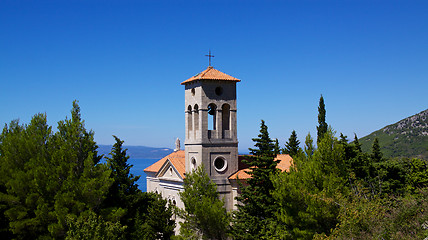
209	57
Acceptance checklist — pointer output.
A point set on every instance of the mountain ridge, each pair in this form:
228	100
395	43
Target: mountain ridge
405	138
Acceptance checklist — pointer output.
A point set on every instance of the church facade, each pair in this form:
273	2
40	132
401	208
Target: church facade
211	140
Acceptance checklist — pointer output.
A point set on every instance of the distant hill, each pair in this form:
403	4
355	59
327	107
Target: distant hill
406	138
138	151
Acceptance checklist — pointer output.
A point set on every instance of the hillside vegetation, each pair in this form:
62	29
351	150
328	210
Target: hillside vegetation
406	138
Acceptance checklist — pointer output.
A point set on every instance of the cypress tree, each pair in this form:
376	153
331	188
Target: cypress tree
258	205
292	146
322	125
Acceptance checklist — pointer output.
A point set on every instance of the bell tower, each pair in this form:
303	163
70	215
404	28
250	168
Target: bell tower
211	134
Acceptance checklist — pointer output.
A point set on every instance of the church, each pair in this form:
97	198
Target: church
210	139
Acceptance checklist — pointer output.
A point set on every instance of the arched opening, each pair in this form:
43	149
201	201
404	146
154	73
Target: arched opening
196	117
212	110
193	164
225	110
189	120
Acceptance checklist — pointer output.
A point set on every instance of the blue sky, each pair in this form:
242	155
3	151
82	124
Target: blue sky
124	61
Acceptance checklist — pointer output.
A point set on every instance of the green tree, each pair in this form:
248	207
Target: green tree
309	146
292	146
322	125
4	222
204	215
277	149
357	144
123	194
387	218
154	218
124	187
258	205
48	176
146	215
91	226
308	196
376	153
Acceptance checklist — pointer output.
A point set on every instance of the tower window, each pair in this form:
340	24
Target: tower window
226	116
212	108
196	117
220	164
219	91
189	118
193	163
193	91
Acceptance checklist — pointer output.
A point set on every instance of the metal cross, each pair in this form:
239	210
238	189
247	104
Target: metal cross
209	56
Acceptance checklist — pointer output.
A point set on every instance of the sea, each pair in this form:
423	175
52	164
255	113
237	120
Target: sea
139	164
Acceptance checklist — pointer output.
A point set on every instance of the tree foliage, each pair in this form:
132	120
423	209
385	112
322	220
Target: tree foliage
322	124
145	215
308	195
154	218
292	145
257	204
89	225
340	192
49	175
204	215
53	186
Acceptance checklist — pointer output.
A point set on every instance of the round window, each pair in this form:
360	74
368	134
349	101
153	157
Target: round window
219	91
220	164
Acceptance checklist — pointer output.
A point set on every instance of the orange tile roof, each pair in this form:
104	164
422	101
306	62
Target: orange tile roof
283	165
211	74
177	159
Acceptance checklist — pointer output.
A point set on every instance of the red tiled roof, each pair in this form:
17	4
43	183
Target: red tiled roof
177	159
211	74
283	165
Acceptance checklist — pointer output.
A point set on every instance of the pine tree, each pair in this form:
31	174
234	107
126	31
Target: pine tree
89	225
277	149
307	197
154	219
357	143
322	125
123	194
204	215
258	205
49	176
124	187
376	155
146	215
292	146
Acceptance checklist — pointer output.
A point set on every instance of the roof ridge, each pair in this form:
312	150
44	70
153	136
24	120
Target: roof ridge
211	74
205	72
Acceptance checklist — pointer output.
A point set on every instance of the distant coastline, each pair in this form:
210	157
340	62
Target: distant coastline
138	152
